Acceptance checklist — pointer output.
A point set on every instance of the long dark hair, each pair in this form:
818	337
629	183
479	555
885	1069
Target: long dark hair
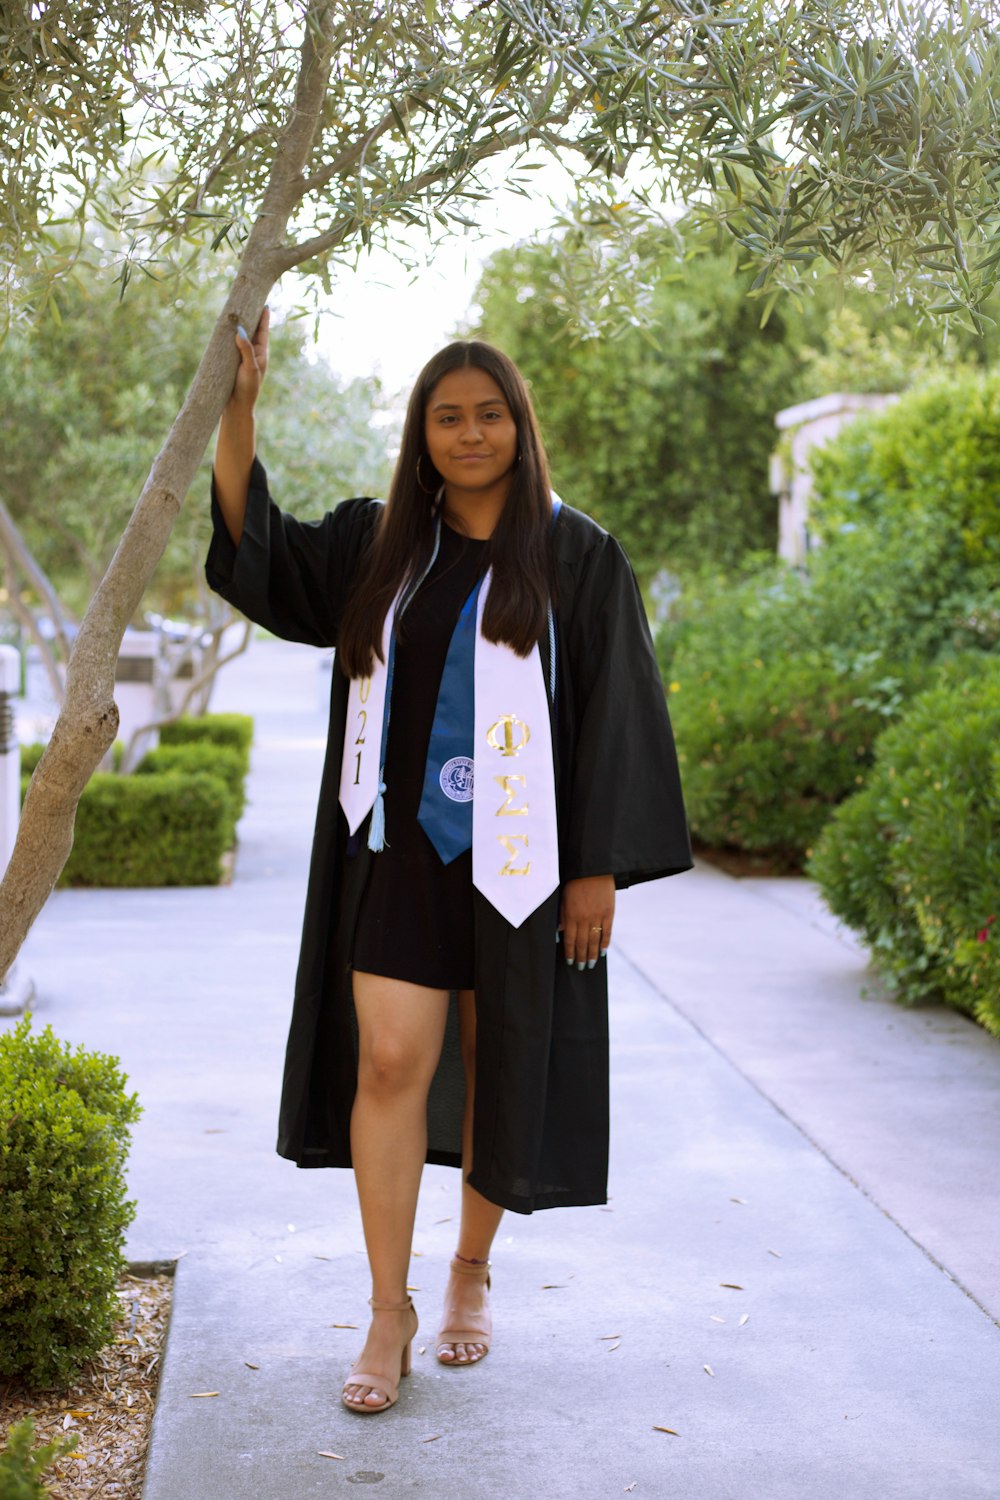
518	551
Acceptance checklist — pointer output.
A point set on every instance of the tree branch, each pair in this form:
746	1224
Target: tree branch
293	255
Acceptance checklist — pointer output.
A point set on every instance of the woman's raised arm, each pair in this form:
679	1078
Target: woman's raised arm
237	440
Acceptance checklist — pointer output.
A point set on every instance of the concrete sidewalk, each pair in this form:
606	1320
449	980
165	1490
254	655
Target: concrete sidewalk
782	1149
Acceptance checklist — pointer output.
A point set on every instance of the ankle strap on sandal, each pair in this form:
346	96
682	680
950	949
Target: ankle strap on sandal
390	1306
480	1268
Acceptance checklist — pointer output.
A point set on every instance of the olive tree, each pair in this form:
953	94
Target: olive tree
860	136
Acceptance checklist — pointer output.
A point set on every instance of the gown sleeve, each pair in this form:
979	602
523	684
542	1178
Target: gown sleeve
290	576
626	808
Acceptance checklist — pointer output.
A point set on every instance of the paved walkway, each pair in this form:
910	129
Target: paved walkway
799	1264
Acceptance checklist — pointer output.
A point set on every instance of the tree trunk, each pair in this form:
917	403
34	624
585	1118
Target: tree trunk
88	722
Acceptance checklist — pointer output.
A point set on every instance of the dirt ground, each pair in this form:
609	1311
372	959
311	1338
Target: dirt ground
110	1407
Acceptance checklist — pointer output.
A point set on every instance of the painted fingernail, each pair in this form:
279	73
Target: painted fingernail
581	965
242	332
569	961
604	952
558	936
592	963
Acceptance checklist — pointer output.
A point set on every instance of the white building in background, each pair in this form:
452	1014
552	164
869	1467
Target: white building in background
810	425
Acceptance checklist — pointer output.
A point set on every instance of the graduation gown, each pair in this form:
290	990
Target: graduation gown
540	1137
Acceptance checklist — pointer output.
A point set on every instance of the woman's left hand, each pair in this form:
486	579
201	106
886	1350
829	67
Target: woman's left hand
586	916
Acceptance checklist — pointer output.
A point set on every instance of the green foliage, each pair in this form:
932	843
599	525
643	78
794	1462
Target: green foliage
772	731
887	113
170	829
912	862
224	762
233	731
664	434
935	454
64	1118
803	669
85	404
22	1464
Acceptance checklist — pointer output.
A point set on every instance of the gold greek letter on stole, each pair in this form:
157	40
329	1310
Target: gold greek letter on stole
509	840
508	810
500	735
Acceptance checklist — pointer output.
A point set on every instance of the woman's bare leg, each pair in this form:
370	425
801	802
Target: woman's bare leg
400	1032
466	1302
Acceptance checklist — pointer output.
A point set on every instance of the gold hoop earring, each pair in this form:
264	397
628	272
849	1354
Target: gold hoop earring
428	489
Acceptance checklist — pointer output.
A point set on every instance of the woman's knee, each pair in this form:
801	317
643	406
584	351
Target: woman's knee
388	1067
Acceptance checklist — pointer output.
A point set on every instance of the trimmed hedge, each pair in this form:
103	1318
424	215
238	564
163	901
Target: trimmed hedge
224	762
232	731
64	1137
170	829
912	862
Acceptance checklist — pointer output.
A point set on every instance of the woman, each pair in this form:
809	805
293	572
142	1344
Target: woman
450	1001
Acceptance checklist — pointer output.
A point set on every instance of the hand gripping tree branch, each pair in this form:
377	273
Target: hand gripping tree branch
857	138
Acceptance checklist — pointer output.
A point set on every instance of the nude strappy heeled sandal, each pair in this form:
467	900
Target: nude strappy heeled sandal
466	1335
381	1383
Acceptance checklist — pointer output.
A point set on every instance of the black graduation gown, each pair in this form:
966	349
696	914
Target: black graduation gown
540	1137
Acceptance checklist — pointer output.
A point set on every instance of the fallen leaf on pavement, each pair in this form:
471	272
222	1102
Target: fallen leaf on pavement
250	1366
737	1200
343	1325
672	1430
629	1488
197	1395
432	1439
321	1454
715	1318
775	1253
610	1337
708	1370
733	1286
745	1318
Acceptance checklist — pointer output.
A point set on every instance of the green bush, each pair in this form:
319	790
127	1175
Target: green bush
64	1118
22	1464
222	761
768	749
234	731
912	862
784	678
170	829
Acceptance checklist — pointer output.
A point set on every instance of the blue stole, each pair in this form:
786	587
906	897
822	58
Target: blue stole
445	812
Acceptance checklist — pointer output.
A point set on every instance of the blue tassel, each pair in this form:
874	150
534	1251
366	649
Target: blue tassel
376	833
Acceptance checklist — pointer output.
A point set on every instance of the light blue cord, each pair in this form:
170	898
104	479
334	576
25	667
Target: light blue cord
376	830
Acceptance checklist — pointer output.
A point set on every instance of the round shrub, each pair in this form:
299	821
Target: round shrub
912	862
64	1118
769	748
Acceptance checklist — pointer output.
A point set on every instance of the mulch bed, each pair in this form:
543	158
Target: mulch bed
109	1407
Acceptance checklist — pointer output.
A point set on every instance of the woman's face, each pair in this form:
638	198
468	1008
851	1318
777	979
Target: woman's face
469	430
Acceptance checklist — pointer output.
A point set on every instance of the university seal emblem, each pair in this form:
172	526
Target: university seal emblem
456	778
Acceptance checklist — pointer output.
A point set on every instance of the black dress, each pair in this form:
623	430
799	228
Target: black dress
416	918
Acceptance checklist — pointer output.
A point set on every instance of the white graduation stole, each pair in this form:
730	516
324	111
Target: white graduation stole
515	849
515	845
